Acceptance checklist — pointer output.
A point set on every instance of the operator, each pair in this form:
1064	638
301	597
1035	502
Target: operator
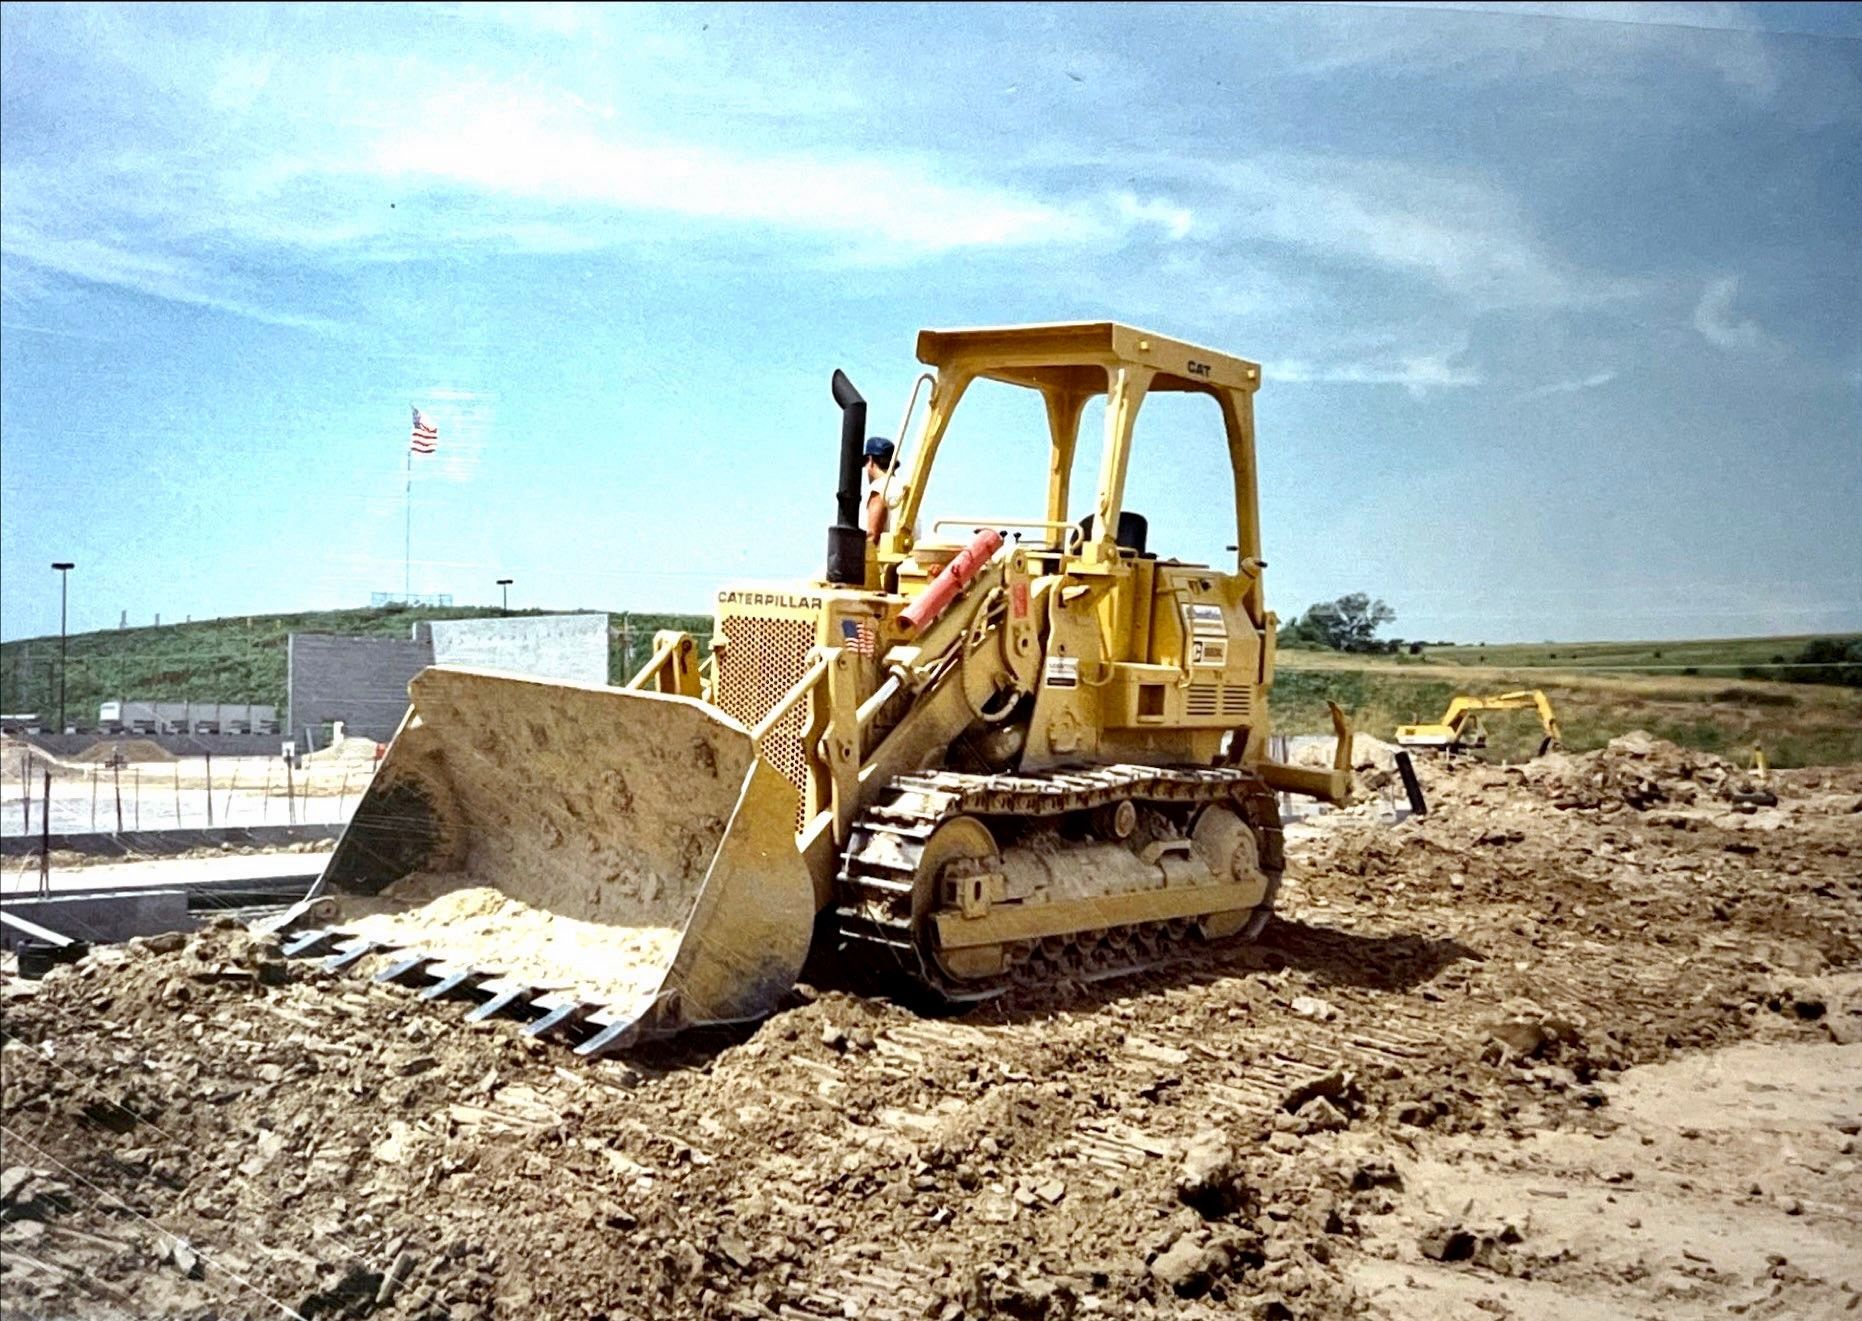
881	503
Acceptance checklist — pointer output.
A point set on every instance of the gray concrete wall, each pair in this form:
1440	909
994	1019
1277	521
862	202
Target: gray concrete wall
359	681
101	918
573	647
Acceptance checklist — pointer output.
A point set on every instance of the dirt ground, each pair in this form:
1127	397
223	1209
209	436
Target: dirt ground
1585	1041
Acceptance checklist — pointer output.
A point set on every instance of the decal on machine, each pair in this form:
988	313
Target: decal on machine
781	600
1208	634
1062	672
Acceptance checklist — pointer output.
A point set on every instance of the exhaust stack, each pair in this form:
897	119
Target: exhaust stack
847	538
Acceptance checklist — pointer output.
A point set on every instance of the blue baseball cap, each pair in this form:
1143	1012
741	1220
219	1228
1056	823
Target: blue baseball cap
878	447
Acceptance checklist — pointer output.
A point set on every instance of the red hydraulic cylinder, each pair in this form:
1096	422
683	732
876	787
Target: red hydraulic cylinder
955	577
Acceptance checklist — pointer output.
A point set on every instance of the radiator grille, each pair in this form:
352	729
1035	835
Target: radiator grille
1207	700
762	660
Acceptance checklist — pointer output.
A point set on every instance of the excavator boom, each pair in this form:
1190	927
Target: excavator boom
1459	728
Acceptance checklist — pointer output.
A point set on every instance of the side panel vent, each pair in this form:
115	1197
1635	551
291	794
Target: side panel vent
762	660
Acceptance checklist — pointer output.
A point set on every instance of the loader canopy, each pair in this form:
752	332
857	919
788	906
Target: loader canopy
624	852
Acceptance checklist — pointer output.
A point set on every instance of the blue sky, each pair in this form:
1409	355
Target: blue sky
1561	306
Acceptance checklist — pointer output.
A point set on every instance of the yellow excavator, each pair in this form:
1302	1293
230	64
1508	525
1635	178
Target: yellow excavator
1026	746
1460	728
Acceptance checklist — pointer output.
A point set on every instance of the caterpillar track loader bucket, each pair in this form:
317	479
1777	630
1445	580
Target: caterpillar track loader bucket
618	863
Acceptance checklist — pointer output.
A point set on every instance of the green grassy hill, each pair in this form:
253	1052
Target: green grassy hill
1798	724
1770	658
240	659
1684	691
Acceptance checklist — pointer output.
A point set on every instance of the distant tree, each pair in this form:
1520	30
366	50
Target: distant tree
1829	660
1348	624
1294	633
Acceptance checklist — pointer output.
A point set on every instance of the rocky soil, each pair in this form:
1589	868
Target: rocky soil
1585	1040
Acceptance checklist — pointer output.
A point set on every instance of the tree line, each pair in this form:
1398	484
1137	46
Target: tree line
1350	623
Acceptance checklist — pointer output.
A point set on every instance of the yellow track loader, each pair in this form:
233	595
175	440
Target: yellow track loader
1460	728
1024	747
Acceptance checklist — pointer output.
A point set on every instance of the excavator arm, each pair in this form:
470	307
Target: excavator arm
1457	727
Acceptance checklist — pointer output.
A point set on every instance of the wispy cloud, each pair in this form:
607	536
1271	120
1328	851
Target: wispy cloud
153	274
1590	382
491	162
25	328
554	152
1491	42
1461	234
1715	318
1416	373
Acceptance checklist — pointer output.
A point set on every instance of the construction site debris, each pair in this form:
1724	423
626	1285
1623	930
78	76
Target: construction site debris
1555	1025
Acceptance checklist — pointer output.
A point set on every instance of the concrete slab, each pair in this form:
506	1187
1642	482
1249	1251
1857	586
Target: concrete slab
178	872
138	844
100	919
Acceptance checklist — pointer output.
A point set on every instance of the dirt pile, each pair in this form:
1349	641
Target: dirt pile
1417	1095
477	926
1637	771
320	1139
124	749
1373	761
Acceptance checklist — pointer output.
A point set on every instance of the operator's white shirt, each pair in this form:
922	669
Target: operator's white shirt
892	498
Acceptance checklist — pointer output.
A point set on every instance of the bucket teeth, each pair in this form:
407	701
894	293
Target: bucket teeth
495	994
309	943
450	983
573	1011
499	1003
405	969
615	1036
359	948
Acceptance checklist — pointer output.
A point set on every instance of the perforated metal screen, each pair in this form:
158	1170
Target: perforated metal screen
761	661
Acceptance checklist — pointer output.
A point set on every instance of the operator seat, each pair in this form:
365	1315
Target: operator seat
1133	528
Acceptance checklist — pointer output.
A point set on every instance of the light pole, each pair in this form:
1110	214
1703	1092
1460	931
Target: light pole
504	591
64	568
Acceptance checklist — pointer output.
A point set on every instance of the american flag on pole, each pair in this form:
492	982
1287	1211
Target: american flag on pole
426	437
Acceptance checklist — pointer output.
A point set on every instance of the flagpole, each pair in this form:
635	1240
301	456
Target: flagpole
407	538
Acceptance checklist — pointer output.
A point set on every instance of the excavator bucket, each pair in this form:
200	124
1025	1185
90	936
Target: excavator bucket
621	864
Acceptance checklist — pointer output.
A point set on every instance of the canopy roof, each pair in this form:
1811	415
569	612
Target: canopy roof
1075	356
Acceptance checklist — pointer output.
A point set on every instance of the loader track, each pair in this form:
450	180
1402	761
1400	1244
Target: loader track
879	871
